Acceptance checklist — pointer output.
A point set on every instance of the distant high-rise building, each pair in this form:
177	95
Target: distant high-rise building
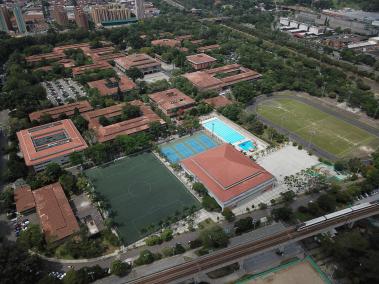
19	19
140	9
5	19
81	18
60	15
111	12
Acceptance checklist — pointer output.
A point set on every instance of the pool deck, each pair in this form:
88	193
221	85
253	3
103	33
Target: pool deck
260	144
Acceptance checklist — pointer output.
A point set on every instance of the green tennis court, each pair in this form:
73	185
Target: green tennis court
141	191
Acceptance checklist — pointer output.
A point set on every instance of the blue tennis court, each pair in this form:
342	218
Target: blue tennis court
186	147
223	131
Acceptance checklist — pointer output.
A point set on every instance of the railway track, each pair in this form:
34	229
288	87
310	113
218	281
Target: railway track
236	252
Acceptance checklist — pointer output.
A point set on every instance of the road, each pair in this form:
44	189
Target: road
63	265
235	253
307	144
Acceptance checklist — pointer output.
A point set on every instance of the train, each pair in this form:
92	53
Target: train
344	212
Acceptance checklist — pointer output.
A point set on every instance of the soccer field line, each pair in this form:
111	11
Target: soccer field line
343	153
307	126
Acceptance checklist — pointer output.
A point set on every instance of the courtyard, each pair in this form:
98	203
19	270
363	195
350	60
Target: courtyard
142	192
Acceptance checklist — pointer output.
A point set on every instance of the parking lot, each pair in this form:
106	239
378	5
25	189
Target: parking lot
63	91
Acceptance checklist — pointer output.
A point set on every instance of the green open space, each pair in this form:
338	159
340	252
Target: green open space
141	192
322	129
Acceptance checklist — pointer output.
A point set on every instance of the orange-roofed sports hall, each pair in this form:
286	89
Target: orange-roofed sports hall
229	176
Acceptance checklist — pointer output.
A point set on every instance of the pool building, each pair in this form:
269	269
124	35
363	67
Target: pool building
230	177
228	134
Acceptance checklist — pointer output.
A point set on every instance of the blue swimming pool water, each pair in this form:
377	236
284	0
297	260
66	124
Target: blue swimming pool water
223	131
186	147
247	145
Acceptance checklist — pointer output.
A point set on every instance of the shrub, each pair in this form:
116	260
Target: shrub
153	240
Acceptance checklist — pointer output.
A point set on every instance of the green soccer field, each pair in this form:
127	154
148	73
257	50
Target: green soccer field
142	191
324	130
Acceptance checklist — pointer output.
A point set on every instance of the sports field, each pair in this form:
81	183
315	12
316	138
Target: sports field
322	129
141	191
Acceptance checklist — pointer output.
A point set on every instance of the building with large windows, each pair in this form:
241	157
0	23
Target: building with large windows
5	19
50	143
19	19
145	63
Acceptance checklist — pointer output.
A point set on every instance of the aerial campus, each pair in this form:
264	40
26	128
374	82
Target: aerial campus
186	141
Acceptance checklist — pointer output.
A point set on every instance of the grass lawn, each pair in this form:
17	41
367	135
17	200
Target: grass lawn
142	192
326	131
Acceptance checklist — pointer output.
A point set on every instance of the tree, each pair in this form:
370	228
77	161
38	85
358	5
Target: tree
243	225
134	73
67	181
119	268
327	202
53	171
231	111
282	213
214	237
199	188
76	158
228	214
155	129
18	266
153	240
262	206
31	238
167	235
179	249
210	204
130	111
145	257
6	199
76	277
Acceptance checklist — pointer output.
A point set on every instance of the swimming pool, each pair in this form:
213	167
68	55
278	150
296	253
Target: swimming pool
247	146
223	131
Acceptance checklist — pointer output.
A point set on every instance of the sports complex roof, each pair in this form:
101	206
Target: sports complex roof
226	172
52	140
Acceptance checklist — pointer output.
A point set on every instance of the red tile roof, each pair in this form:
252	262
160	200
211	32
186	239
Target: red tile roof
37	147
166	42
55	213
219	101
90	67
226	172
24	199
207	79
127	127
200	58
125	84
208	48
169	101
68	109
137	60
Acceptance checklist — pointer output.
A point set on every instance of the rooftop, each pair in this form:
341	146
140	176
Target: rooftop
226	172
140	60
166	42
208	48
218	78
24	199
90	67
56	112
42	143
219	101
171	99
127	127
200	58
110	86
55	213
